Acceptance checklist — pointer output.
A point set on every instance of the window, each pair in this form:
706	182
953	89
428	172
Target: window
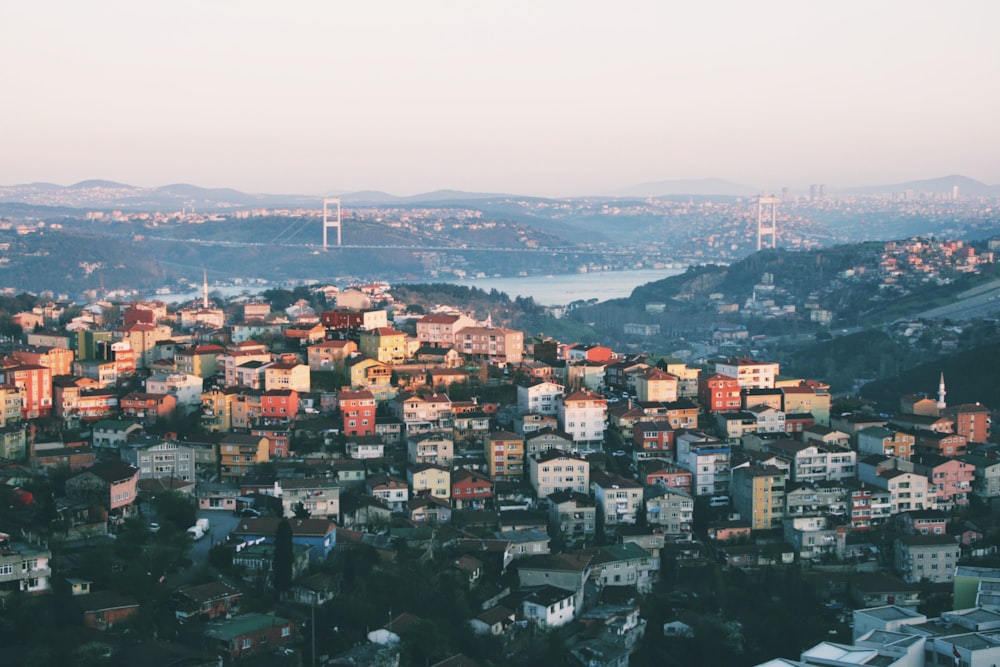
247	642
286	631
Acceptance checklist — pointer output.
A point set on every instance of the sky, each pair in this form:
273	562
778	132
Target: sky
546	97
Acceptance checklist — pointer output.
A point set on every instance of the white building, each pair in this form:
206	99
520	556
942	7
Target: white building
708	461
583	415
183	387
540	398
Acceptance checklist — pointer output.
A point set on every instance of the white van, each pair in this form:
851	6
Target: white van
718	501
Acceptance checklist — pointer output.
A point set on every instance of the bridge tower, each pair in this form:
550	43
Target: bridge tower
328	221
763	226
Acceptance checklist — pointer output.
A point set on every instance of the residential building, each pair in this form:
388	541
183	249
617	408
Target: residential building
545	439
391	490
320	534
435	447
439	330
58	360
110	483
157	457
807	398
907	490
428	478
287	376
349	318
617	498
279	406
330	354
868	505
146	407
251	633
493	344
719	393
949	480
384	344
24	568
471	490
317	495
669	509
34	384
972	420
357	408
279	440
549	607
200	360
573	515
103	610
656	385
423	413
885	442
186	389
758	494
749	372
625	564
653	439
557	470
239	455
504	456
815	537
707	459
206	601
769	420
986	476
373	375
583	415
540	398
814	463
655	471
236	356
142	339
926	557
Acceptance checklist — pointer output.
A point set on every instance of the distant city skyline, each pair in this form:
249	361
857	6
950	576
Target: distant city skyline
547	99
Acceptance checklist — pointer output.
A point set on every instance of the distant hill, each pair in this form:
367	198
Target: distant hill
938	186
701	186
970	375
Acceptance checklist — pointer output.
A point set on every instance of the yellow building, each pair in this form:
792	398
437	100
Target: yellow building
239	455
372	375
758	494
654	385
427	477
505	455
384	344
281	375
217	409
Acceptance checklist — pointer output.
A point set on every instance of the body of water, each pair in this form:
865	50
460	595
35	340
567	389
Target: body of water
555	290
561	289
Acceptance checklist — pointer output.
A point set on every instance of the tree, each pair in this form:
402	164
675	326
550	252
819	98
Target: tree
283	556
300	511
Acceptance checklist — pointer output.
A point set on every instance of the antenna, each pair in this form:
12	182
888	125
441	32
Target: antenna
328	222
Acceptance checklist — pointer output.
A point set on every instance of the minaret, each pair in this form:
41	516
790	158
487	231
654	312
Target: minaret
204	291
941	405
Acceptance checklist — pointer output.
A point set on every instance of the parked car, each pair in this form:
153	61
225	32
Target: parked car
249	513
154	527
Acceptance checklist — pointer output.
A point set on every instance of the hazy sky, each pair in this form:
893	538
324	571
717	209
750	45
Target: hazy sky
543	97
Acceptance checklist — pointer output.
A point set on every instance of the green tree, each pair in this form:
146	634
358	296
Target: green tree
282	564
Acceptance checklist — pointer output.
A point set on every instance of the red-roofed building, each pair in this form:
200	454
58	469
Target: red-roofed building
325	355
439	330
279	404
148	407
719	393
358	411
35	384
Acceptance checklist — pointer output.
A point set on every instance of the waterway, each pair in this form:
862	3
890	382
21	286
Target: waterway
553	290
561	289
